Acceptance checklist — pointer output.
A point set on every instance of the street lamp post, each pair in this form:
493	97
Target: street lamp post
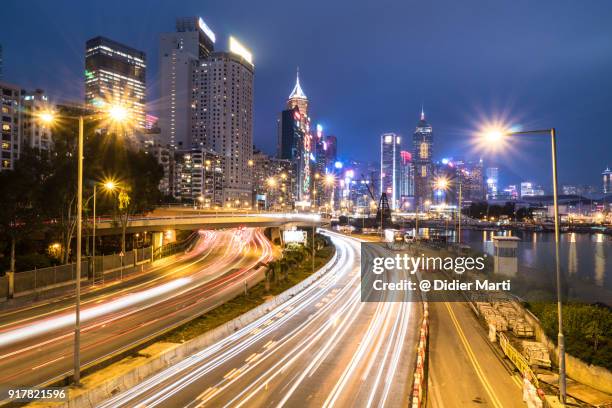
77	324
93	233
459	216
109	186
495	135
119	114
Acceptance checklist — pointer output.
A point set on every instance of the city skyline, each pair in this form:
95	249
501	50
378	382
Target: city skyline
494	89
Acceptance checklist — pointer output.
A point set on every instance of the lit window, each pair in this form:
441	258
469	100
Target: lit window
424	150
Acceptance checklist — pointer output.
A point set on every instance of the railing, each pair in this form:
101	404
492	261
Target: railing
517	359
95	270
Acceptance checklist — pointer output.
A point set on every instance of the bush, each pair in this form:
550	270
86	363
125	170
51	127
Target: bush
587	330
31	261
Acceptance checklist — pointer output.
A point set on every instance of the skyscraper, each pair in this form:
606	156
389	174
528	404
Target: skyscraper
422	142
289	134
607	181
471	175
35	134
222	114
298	97
207	101
390	147
331	150
406	182
295	141
492	174
115	74
11	125
178	52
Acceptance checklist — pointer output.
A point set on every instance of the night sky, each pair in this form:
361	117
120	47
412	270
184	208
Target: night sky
367	67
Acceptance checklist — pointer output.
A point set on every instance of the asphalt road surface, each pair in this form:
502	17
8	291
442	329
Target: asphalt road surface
464	371
36	344
323	347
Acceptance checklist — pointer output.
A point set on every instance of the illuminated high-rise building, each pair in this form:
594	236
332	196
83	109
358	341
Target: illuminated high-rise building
492	174
178	52
607	180
406	182
10	148
422	145
35	134
222	115
295	141
207	101
298	97
115	74
390	147
470	174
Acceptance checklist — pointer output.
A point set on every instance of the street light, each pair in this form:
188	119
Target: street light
115	113
108	185
496	135
442	183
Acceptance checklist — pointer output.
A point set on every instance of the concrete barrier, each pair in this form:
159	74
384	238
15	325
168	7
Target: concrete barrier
79	398
419	387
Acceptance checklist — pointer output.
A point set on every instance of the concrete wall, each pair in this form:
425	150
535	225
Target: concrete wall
90	397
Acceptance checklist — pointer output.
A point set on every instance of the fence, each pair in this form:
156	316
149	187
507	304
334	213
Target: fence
30	281
93	269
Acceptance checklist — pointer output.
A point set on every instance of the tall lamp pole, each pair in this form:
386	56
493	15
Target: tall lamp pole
77	324
459	216
496	135
118	114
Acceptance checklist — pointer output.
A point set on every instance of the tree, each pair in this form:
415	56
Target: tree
19	199
124	201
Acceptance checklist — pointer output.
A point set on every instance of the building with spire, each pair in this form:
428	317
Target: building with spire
422	145
294	140
298	97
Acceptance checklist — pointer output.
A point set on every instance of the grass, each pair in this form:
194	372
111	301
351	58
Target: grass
243	303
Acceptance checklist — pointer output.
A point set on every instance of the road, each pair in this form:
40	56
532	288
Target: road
36	343
321	348
464	371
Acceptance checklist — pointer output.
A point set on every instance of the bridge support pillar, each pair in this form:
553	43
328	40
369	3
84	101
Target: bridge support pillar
157	240
276	236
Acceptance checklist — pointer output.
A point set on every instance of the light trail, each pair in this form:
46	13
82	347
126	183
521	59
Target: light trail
187	287
292	346
88	314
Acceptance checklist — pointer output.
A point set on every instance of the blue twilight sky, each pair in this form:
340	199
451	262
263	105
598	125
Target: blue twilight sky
367	66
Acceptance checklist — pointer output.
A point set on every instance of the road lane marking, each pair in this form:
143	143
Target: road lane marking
487	386
47	363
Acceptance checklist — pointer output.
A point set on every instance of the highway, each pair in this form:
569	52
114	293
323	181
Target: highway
323	347
36	343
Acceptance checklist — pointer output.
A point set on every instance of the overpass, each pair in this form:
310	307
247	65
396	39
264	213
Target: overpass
207	221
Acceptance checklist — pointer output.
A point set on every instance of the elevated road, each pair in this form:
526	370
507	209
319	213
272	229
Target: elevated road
195	220
36	344
322	348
